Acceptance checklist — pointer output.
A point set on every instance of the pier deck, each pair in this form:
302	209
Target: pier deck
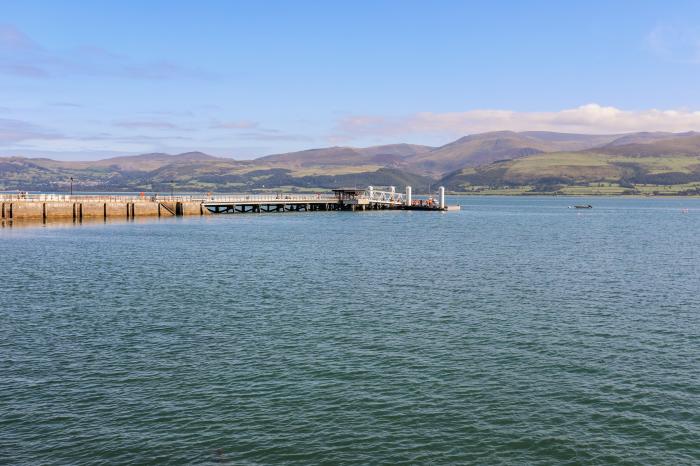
270	203
342	199
76	207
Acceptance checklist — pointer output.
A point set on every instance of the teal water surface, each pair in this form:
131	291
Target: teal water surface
515	331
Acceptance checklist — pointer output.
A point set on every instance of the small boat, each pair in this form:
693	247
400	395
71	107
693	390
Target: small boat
587	206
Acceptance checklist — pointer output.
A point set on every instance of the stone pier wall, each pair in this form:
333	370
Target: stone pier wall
37	210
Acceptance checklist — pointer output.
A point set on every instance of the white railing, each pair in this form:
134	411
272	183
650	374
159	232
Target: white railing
280	199
74	197
381	197
384	197
160	198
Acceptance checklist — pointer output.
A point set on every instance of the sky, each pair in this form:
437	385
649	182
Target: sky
88	80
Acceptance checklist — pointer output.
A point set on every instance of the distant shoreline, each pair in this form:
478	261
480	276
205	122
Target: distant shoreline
484	193
519	194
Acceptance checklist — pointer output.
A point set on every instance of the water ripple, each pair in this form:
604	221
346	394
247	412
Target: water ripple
514	331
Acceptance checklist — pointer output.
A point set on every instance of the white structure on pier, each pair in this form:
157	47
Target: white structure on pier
342	199
387	198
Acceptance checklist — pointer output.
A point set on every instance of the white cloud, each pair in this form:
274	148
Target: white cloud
590	118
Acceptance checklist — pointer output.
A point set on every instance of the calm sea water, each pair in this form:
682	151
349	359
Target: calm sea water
514	331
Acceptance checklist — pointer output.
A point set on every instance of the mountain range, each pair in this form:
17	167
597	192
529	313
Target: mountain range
500	158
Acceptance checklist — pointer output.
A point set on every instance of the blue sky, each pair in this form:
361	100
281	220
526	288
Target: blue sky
86	80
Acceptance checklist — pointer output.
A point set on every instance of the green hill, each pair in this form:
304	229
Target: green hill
552	171
479	149
204	174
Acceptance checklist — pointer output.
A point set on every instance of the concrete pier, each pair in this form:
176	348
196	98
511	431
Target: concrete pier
49	207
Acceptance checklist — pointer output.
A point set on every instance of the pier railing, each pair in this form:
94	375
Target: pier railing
282	198
160	198
373	196
73	198
384	197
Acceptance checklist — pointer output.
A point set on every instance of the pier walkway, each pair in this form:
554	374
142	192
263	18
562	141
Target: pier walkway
76	207
342	199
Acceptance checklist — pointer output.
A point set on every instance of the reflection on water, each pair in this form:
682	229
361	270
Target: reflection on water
70	223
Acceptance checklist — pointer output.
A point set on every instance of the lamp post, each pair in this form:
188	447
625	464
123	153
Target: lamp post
172	189
71	185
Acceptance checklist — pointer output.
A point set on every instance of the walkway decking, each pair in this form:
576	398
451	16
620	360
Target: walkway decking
342	199
63	206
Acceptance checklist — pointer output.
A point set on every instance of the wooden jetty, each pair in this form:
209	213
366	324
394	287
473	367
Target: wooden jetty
78	207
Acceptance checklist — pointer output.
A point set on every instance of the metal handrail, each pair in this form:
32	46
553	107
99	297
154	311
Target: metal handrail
275	199
384	196
160	198
72	198
372	196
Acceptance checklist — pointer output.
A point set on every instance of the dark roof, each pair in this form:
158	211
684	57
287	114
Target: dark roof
354	191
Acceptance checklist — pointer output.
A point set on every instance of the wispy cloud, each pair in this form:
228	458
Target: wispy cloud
159	70
13	39
135	138
170	113
267	136
24	70
42	144
679	43
66	104
22	56
21	133
12	131
591	118
256	132
237	124
148	124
